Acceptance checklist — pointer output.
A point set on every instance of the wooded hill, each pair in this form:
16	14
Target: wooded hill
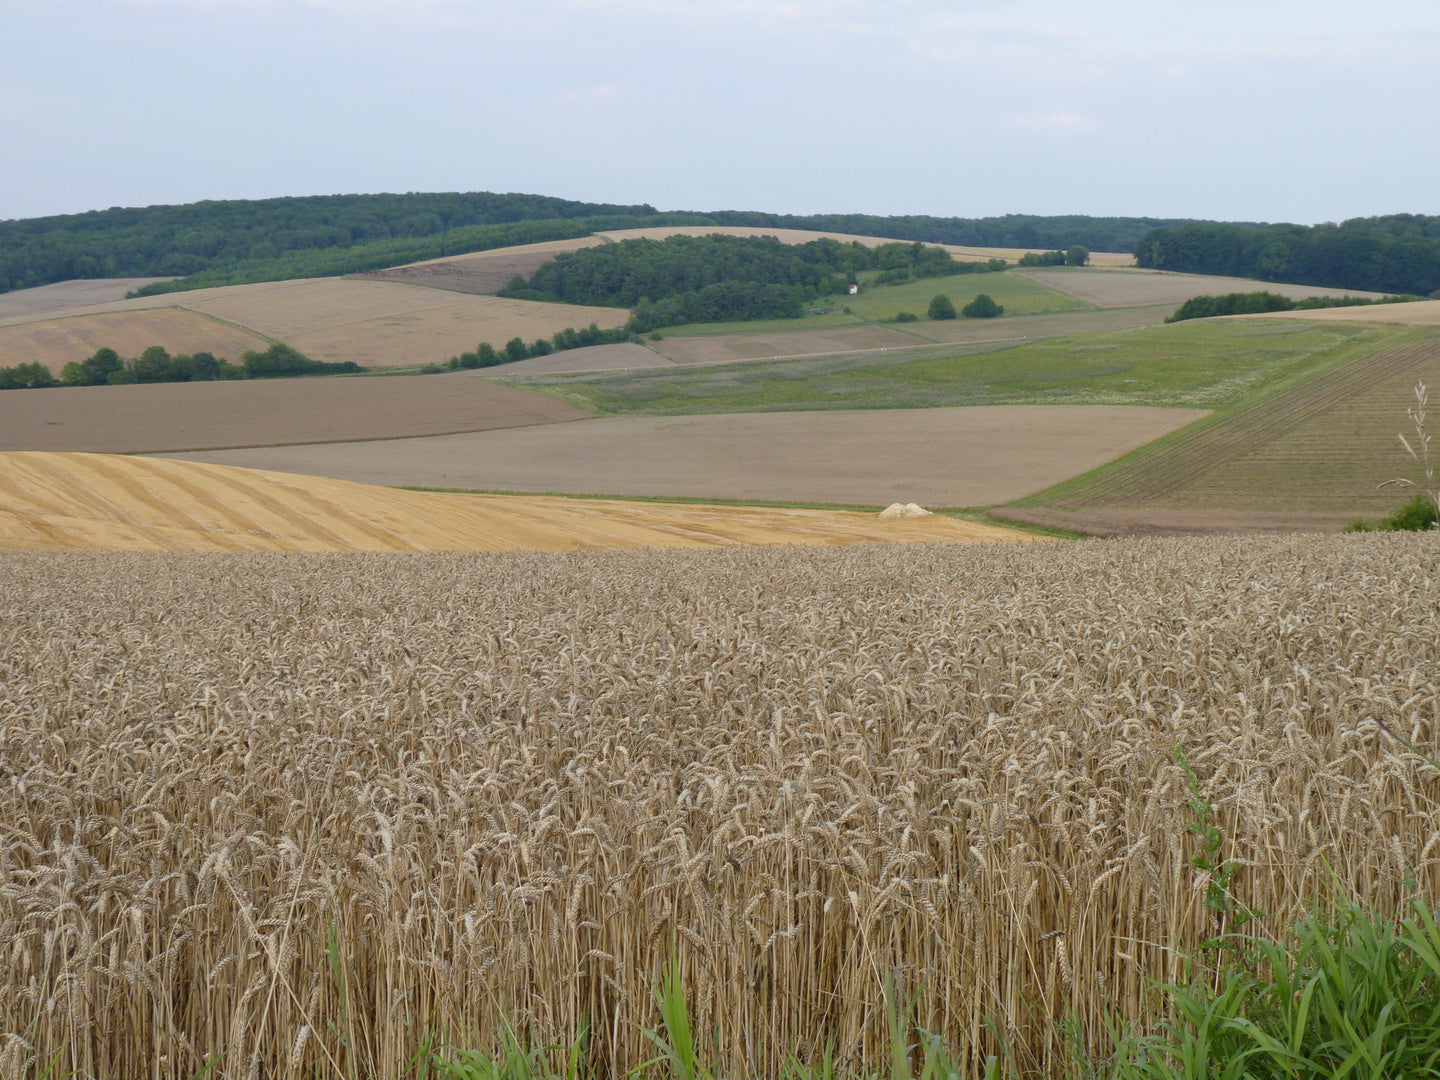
718	278
1399	253
235	241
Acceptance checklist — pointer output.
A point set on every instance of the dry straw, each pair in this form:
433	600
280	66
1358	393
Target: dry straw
300	815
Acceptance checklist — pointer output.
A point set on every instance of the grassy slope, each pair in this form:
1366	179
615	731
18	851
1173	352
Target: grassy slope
1320	439
1197	364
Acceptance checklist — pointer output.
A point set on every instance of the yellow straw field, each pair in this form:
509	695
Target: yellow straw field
69	501
295	815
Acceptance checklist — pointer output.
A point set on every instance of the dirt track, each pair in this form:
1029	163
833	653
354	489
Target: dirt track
57	502
936	457
268	412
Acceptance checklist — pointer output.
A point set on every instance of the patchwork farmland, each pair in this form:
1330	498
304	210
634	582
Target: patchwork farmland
302	776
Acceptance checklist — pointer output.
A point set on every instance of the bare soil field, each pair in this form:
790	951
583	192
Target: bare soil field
725	348
62	502
484	272
1311	456
936	457
1419	313
374	323
56	342
264	412
82	292
1130	288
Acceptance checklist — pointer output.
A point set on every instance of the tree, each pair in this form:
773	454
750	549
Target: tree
31	376
982	307
942	307
204	366
101	366
1077	256
516	349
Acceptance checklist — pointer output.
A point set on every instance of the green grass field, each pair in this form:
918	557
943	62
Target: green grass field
1323	440
1205	364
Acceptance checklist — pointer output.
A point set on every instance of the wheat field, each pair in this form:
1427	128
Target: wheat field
293	815
75	501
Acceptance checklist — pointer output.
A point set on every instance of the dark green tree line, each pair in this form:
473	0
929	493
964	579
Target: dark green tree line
1395	254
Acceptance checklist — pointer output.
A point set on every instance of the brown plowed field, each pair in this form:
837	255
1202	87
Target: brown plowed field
58	341
55	502
937	457
1320	449
264	412
1132	288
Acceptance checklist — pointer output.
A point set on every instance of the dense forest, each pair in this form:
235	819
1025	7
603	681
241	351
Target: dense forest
719	278
234	241
223	241
1395	254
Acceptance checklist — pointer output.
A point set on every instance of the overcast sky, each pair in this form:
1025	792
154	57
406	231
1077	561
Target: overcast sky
1261	110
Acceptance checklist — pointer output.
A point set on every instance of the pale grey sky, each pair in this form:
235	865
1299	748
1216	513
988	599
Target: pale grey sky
1276	111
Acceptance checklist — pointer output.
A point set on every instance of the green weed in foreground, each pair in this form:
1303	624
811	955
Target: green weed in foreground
1352	995
1348	995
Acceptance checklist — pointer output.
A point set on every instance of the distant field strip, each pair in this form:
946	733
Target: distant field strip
1323	445
1130	288
25	304
1418	313
55	502
936	457
265	412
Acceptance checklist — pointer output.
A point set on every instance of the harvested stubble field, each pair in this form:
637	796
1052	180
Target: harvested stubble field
936	457
483	273
1418	313
374	323
157	417
65	502
82	292
56	342
290	815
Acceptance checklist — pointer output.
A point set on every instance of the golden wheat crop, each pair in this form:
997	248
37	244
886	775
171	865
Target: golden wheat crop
291	814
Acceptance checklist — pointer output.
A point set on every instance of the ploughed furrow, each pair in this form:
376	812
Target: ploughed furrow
1184	462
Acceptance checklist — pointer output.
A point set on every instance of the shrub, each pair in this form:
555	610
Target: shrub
907	316
941	307
982	307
